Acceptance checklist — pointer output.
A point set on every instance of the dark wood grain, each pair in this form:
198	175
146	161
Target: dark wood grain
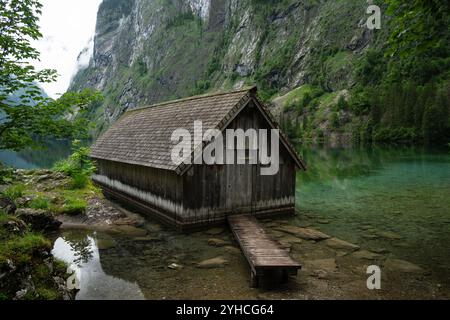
260	250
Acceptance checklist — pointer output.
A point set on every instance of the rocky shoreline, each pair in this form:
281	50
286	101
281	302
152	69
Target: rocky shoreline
20	219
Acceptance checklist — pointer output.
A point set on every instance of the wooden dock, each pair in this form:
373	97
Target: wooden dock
262	252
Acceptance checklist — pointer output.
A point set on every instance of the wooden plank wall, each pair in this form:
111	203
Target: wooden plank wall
213	192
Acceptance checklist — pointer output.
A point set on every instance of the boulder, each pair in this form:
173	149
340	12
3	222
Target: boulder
7	205
342	245
39	220
217	262
303	233
24	201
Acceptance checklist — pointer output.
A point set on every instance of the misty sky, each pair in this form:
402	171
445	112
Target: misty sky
68	26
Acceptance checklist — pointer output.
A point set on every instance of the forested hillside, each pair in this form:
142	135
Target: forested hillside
327	75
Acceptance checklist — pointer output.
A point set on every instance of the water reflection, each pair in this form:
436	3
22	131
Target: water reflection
37	159
83	256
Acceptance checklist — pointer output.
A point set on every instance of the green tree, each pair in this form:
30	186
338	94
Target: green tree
420	25
31	118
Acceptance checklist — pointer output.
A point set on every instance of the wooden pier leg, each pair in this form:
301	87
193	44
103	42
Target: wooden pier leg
254	280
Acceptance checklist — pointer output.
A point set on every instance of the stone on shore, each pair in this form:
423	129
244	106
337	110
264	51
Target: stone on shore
39	220
7	205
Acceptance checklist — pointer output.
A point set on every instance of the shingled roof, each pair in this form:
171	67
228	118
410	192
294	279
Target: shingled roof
142	136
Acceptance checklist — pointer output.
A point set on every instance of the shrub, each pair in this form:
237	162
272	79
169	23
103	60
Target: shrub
6	174
14	192
79	181
73	206
40	203
78	162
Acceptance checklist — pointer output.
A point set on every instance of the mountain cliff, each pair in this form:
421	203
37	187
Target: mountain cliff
147	51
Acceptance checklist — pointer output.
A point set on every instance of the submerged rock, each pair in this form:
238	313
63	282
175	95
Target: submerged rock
214	231
402	266
147	239
232	250
303	233
326	265
129	231
39	220
380	250
389	235
104	244
175	266
217	262
367	255
339	244
217	242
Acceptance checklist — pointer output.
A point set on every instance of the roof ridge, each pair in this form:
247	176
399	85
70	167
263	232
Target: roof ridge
246	89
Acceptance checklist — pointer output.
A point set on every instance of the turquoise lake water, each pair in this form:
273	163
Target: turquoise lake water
393	198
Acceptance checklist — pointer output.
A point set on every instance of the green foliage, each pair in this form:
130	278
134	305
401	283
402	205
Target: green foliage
29	119
6	174
359	102
40	203
79	165
20	249
73	206
14	192
342	103
420	26
79	181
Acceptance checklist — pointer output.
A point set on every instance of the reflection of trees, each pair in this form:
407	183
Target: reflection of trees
326	163
54	151
82	249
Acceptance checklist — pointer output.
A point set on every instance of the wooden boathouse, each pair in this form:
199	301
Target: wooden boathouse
134	163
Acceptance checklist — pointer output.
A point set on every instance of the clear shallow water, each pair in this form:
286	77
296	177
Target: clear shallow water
394	198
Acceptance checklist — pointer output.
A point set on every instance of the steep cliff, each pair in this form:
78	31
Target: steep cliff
147	51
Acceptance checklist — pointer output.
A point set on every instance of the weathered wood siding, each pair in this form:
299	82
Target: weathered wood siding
213	192
161	191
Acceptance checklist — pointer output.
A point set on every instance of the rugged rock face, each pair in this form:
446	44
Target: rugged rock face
147	51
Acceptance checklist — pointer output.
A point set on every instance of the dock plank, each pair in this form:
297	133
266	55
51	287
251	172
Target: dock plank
260	250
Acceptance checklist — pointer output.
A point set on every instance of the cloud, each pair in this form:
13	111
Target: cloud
68	27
